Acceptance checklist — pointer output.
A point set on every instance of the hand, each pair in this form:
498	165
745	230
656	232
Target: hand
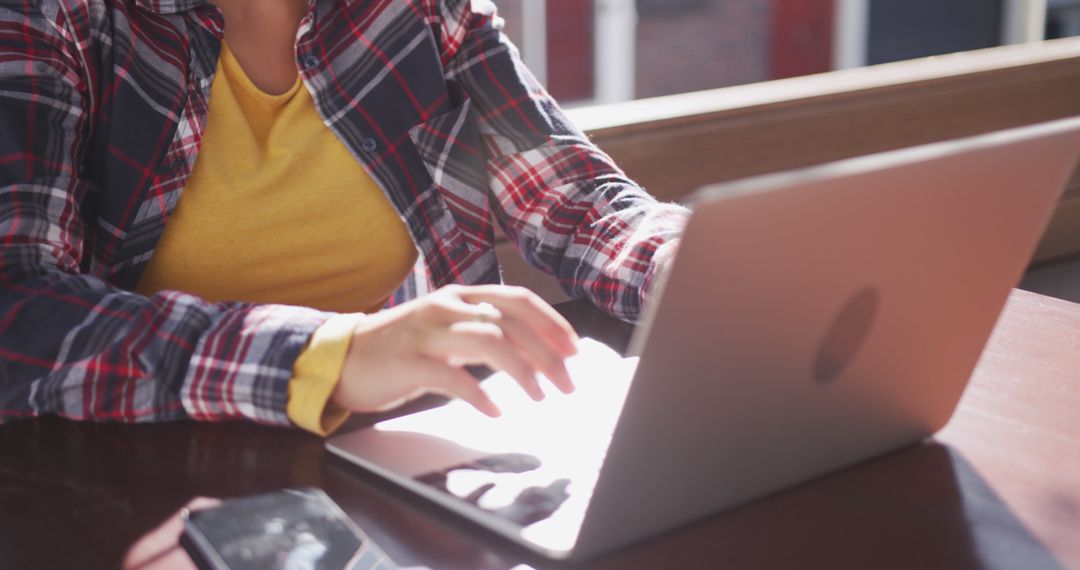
421	346
160	548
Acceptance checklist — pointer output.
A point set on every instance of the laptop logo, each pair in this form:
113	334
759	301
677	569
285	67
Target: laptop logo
846	335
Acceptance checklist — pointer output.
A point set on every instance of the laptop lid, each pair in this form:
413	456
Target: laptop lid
812	320
817	318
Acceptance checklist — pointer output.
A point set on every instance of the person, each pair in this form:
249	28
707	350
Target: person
283	210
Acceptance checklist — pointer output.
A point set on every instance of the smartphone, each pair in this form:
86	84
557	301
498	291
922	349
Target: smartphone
294	529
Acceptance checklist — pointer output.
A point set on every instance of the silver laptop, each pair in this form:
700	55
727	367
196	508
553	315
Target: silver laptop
811	320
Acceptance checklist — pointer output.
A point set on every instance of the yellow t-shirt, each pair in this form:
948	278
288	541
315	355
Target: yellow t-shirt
278	211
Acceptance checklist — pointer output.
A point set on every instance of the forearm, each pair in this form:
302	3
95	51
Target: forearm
599	237
569	209
75	347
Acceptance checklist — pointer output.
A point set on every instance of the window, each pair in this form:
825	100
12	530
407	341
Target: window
597	51
920	28
1063	19
650	7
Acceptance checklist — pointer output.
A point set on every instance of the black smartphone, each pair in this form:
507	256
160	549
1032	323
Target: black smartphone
294	529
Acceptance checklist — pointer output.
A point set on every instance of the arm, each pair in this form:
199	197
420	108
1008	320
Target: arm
568	208
70	344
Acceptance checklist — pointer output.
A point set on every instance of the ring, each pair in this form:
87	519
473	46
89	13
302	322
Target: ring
487	313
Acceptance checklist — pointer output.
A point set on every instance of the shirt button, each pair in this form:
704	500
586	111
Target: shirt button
369	145
311	62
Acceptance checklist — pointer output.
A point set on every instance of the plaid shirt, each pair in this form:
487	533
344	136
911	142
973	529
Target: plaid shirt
103	104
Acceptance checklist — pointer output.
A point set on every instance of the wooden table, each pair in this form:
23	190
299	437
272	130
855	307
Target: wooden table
998	488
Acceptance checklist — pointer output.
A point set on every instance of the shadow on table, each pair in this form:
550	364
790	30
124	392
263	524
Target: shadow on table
921	507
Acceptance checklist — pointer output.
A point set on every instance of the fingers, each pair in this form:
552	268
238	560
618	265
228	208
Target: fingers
485	343
200	503
534	327
542	355
455	382
506	328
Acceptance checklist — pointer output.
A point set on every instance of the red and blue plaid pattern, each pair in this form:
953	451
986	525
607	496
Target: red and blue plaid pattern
102	109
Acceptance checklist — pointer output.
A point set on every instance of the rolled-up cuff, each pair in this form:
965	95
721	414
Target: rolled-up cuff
316	375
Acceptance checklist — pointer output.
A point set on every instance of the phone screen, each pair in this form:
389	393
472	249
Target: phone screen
291	529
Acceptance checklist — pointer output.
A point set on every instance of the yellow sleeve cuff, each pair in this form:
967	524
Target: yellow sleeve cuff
316	374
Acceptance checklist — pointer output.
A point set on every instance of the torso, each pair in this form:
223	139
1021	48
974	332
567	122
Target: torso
148	66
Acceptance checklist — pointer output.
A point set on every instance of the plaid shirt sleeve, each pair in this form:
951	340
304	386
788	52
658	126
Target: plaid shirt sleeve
70	344
566	205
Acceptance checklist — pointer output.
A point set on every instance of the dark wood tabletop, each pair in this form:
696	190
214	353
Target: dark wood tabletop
999	487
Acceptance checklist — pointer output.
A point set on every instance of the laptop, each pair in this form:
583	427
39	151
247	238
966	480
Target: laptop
811	320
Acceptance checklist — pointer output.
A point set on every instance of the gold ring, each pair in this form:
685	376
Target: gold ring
487	313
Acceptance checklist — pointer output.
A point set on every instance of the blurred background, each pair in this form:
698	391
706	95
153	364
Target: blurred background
604	51
592	52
